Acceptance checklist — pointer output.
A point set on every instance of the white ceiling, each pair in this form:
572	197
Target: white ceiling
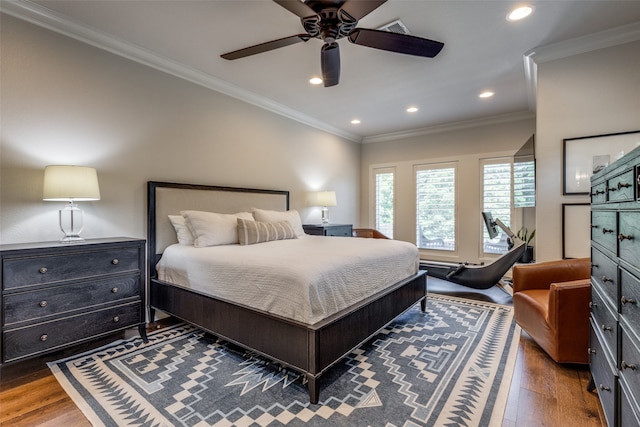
483	51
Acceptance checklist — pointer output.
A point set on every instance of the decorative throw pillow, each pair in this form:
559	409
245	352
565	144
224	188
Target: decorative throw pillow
252	232
182	231
214	229
291	216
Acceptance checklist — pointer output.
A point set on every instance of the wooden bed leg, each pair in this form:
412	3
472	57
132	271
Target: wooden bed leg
142	330
314	388
423	304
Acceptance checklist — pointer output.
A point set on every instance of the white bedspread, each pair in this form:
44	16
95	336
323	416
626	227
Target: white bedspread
305	279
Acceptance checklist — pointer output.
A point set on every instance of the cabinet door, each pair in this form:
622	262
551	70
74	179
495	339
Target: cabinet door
604	230
629	237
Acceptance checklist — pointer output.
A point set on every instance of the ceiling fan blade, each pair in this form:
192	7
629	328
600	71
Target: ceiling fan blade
330	63
296	7
358	9
265	47
395	42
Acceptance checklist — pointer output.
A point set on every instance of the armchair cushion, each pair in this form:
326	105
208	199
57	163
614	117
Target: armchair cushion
551	303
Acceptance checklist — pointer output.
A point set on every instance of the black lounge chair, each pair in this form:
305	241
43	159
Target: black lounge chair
476	276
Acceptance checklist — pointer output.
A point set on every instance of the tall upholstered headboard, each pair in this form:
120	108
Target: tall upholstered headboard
166	198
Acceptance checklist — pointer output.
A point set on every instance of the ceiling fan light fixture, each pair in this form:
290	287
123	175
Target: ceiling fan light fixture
519	13
355	121
486	94
315	80
412	109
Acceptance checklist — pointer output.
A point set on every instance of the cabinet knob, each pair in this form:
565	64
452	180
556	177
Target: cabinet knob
605	388
625	185
592	304
591	351
606	328
114	290
622	237
116	319
115	261
605	279
43	270
42	303
43	337
625	365
625	300
606	230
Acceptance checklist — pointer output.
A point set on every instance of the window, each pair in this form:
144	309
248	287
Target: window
524	184
496	192
384	206
436	207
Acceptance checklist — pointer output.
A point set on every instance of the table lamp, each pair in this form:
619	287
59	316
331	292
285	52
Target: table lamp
325	199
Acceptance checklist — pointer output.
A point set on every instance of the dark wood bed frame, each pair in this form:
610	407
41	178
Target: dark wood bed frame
309	349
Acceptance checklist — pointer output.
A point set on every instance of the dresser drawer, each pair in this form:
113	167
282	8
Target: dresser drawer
629	360
603	377
599	193
604	274
27	271
629	237
605	320
342	230
23	306
629	411
620	188
629	297
38	338
604	230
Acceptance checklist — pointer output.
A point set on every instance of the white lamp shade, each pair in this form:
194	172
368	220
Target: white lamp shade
64	183
325	198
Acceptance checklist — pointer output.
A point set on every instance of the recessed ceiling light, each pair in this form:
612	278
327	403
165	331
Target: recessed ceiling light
412	109
355	122
519	13
315	80
486	94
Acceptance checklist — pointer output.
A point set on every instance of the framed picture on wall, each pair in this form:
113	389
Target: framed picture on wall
584	156
576	230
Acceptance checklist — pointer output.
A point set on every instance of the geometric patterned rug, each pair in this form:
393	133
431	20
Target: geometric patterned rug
450	366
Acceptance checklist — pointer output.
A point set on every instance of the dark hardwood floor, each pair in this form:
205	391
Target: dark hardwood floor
542	392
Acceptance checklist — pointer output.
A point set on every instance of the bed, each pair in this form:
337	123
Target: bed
309	341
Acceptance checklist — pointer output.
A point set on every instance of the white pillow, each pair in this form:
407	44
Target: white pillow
182	231
291	216
214	229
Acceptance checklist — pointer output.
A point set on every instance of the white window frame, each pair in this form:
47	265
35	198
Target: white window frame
374	197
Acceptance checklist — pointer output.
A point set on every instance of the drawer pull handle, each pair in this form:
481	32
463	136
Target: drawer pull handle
42	303
625	365
602	387
592	304
605	279
595	266
116	319
115	261
625	185
43	270
606	328
611	188
606	230
43	337
595	193
622	237
114	290
594	226
625	300
591	351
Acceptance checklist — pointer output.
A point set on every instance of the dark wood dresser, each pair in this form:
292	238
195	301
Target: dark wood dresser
56	295
615	289
343	230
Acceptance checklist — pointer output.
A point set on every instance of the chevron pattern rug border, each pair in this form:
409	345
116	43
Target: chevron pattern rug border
450	366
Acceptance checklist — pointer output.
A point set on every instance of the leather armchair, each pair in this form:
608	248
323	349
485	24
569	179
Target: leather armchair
551	303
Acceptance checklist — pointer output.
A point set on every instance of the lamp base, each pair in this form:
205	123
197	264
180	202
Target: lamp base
325	216
71	239
71	223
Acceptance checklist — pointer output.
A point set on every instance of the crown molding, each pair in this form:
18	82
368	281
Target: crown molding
450	127
590	42
46	18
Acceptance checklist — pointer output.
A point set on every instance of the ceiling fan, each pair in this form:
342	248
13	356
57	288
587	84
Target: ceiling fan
330	20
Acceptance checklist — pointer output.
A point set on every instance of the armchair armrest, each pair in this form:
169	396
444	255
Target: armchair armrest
543	274
569	305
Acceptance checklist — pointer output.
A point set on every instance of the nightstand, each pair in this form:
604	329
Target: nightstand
55	295
343	230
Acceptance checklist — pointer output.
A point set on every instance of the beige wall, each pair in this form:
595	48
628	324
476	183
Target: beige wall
593	93
466	146
65	102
